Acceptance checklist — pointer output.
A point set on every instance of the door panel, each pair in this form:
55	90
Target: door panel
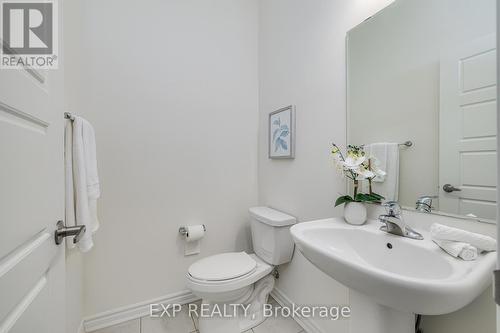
467	126
28	314
480	208
479	120
27	266
476	69
32	274
31	195
478	168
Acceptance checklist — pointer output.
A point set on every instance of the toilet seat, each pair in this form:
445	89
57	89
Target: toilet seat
260	270
221	267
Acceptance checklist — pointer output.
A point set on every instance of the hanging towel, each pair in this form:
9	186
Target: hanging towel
82	180
482	242
461	250
387	158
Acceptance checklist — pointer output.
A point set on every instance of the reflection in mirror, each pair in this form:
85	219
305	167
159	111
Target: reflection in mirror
425	71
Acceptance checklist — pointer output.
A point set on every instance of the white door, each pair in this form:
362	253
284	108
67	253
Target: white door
32	275
467	125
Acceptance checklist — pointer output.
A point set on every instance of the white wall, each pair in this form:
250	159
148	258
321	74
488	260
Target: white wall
172	90
394	76
74	291
302	62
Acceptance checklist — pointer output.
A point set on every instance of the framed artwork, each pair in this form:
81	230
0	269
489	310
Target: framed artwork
282	133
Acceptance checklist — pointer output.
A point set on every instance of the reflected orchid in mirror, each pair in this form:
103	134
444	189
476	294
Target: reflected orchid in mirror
356	166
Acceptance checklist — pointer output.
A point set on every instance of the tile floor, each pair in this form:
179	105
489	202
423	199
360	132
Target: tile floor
182	323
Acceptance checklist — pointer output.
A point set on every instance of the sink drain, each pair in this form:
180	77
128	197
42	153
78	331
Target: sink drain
389	245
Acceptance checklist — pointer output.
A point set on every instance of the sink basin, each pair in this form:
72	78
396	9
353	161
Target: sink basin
412	276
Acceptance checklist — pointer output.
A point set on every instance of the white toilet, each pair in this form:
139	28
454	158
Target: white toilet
240	278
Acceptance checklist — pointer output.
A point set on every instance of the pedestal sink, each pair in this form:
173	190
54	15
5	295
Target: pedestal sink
391	278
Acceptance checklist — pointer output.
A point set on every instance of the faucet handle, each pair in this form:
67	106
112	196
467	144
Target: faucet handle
392	208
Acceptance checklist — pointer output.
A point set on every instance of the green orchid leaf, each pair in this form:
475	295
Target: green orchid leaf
343	199
363	197
371	198
376	195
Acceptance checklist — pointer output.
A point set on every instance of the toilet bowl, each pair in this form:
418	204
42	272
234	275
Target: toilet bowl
240	284
240	281
226	277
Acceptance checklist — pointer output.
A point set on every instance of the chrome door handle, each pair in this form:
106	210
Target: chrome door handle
62	231
448	188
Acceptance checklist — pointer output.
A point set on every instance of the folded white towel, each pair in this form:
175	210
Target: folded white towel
458	249
482	242
387	156
85	180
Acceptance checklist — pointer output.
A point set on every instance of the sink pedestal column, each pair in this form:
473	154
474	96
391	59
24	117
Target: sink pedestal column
368	316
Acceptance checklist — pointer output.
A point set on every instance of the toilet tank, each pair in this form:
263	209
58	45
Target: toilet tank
271	237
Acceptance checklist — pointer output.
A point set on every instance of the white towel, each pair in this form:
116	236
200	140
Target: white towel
482	242
82	181
387	156
458	249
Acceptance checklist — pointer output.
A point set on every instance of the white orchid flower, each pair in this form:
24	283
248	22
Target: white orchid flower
357	167
353	162
364	173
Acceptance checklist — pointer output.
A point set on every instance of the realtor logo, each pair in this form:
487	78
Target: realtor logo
29	34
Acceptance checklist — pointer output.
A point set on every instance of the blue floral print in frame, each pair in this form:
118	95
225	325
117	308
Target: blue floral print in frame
281	133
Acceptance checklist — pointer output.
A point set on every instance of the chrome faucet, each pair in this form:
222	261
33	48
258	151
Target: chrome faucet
424	203
394	223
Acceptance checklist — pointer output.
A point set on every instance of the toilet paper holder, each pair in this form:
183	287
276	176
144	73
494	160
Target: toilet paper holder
184	231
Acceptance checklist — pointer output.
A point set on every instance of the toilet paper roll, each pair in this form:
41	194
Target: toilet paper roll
192	237
194	232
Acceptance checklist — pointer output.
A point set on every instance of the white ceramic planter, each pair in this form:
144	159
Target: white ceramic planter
355	213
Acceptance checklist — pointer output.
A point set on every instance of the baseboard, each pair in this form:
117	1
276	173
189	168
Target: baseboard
307	323
138	310
81	329
134	311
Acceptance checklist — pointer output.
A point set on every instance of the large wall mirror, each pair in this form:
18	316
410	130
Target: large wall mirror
425	71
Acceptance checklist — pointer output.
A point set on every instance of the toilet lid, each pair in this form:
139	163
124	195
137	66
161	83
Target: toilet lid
223	266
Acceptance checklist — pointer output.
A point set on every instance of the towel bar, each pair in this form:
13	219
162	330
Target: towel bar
68	115
406	144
